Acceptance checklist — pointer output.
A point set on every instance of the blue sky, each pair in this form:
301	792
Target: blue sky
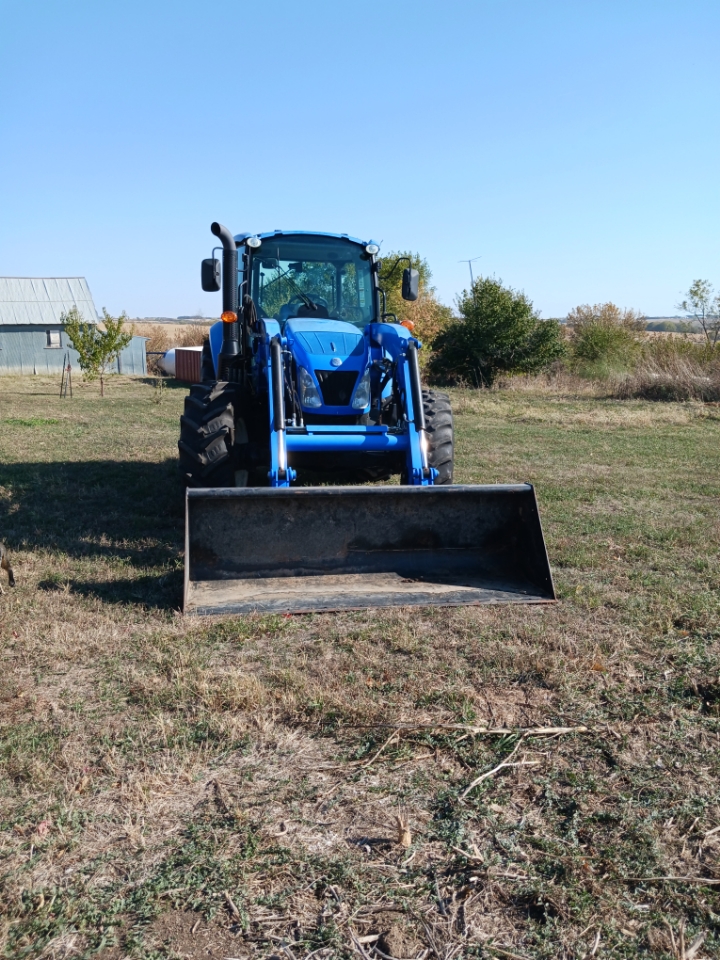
572	145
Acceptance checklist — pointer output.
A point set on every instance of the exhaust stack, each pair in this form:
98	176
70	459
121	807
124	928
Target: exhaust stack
231	335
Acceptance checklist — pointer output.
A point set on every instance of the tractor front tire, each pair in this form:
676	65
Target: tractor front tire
207	435
440	434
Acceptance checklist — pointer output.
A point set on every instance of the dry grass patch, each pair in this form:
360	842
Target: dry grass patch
175	786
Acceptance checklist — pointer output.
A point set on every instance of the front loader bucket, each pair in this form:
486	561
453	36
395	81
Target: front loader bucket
302	549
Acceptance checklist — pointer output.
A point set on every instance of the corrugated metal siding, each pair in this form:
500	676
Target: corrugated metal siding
188	364
26	352
41	301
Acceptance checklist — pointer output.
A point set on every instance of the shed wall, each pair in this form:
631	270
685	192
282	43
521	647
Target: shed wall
24	350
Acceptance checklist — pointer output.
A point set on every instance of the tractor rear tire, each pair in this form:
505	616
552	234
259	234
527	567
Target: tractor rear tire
207	435
440	434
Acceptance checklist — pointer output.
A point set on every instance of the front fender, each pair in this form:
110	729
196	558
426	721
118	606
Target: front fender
393	338
216	341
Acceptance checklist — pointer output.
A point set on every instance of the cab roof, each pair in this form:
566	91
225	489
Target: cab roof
241	237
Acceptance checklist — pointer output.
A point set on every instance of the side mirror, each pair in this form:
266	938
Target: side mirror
410	284
210	275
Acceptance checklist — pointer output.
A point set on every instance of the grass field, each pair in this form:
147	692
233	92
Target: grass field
213	788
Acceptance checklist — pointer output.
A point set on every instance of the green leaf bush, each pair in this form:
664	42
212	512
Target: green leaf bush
497	332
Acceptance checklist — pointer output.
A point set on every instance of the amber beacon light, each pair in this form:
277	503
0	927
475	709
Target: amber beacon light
228	316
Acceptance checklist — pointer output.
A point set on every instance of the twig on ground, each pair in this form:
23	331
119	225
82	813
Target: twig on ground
467	854
358	946
501	766
694	947
672	934
593	949
229	900
376	755
711	881
476	731
505	953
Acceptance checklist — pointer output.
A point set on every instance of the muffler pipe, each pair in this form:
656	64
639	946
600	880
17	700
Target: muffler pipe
231	333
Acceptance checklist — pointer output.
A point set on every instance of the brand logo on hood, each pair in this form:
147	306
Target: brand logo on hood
335	362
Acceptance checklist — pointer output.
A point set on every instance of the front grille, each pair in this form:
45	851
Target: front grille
337	386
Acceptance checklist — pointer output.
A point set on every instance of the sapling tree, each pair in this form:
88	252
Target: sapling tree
96	349
702	304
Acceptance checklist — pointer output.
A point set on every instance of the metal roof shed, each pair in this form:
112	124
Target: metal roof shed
31	334
41	301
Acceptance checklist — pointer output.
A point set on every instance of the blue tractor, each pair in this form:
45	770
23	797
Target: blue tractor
310	390
304	374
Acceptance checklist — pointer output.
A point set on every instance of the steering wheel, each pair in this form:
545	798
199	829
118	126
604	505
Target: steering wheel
297	301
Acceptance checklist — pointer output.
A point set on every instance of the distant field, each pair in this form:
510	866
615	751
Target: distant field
229	787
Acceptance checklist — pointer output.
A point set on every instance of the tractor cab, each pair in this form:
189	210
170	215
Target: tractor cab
313	277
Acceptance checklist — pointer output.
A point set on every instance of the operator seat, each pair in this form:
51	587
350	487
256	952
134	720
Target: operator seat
288	310
320	314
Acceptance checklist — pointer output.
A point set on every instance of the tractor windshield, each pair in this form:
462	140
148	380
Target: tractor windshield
313	277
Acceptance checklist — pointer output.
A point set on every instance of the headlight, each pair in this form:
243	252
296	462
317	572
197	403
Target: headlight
372	249
254	242
362	392
309	396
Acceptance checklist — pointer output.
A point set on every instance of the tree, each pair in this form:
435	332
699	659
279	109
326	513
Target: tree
702	304
497	332
428	315
96	348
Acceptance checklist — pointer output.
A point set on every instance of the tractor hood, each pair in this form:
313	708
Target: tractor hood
335	355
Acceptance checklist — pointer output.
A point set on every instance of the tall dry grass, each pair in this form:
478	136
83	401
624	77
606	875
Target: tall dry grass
665	367
672	375
165	336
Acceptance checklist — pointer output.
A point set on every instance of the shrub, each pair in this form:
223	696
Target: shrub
498	332
604	339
